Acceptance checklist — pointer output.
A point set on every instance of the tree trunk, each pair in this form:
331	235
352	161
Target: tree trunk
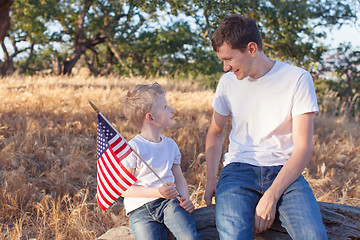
80	49
115	51
341	222
80	40
26	65
56	65
70	64
7	66
4	17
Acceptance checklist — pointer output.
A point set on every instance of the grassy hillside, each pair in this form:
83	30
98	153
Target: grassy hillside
48	152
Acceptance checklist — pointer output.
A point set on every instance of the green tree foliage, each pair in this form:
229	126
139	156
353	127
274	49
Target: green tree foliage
155	37
347	69
168	50
28	27
288	27
345	65
341	96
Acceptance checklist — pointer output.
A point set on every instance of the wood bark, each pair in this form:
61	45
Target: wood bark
82	43
341	222
4	17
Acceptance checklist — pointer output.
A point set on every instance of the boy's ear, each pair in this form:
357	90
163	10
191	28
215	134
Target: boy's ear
148	118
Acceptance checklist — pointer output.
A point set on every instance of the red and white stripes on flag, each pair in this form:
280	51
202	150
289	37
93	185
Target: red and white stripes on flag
112	177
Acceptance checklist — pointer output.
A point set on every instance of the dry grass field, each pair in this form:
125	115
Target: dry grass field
48	152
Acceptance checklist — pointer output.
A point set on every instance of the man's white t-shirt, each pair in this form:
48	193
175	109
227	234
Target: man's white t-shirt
160	157
262	110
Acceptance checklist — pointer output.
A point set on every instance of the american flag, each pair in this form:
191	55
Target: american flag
112	177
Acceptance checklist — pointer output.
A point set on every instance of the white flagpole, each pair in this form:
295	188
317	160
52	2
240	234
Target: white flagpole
147	165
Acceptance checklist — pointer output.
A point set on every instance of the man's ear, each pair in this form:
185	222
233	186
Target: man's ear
252	48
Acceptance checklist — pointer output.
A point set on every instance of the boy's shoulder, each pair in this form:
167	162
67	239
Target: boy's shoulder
139	140
168	140
136	141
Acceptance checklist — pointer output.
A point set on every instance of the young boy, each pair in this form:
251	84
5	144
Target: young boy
153	207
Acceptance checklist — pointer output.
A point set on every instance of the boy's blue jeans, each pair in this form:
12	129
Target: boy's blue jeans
239	189
152	221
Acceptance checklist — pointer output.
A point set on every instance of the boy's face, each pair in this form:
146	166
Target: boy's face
161	113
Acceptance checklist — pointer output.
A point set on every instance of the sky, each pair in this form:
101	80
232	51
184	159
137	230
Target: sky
347	33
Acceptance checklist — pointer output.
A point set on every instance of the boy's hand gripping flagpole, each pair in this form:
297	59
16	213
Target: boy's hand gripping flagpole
98	112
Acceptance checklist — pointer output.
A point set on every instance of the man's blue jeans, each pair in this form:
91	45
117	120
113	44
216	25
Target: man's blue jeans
152	221
239	189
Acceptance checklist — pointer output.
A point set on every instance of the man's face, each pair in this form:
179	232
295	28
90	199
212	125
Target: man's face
235	61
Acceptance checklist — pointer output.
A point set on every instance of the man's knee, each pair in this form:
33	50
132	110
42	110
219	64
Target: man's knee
317	233
310	232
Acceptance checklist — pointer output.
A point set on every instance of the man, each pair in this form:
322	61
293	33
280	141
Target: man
272	105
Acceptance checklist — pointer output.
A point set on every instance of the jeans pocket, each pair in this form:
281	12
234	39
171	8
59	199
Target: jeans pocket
156	209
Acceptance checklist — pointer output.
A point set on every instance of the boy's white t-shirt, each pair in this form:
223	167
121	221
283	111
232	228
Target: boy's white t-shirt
262	111
160	157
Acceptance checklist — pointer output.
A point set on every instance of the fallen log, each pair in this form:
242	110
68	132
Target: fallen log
341	222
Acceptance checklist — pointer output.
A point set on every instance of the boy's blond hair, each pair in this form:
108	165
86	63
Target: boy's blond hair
139	101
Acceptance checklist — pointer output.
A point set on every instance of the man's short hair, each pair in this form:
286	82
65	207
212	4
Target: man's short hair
139	101
237	31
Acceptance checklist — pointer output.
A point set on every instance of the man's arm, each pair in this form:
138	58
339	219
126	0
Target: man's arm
213	149
303	146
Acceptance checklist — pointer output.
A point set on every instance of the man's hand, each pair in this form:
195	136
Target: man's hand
168	191
265	212
187	204
210	191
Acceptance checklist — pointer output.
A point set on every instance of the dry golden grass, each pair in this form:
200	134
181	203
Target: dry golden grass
48	152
